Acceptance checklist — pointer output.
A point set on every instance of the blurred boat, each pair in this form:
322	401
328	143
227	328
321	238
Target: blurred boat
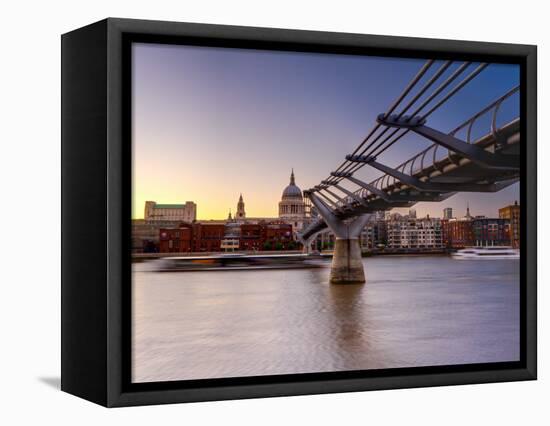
487	253
240	262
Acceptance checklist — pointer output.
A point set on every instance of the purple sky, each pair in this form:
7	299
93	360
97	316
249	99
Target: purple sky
211	123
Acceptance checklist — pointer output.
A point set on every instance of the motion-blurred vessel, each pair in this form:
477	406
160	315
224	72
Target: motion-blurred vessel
492	252
240	262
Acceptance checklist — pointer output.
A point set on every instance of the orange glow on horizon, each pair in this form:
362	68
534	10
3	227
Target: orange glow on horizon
215	208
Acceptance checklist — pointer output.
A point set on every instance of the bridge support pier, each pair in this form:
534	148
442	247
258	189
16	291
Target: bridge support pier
347	264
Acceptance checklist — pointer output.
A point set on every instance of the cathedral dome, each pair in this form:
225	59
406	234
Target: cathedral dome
292	208
292	191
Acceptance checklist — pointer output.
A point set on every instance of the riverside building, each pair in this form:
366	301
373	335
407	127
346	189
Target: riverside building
512	213
183	212
410	233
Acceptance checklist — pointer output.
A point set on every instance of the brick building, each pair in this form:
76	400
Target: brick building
478	231
208	236
176	240
145	234
458	233
217	237
491	232
278	236
252	237
512	213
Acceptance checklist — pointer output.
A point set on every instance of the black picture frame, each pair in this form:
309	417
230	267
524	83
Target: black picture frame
96	165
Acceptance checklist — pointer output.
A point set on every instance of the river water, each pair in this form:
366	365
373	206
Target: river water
413	311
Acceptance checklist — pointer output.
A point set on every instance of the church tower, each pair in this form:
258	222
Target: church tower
241	214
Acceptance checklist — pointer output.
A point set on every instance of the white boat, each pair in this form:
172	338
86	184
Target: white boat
489	252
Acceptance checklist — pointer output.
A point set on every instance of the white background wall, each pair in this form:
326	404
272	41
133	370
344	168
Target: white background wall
30	194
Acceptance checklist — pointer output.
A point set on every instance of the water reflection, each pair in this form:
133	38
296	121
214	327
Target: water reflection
411	312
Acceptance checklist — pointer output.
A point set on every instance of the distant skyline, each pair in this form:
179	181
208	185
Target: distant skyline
212	123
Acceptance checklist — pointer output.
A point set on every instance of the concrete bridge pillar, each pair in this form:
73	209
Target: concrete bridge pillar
347	263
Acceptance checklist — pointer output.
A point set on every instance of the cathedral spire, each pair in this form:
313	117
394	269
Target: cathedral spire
292	182
240	209
468	216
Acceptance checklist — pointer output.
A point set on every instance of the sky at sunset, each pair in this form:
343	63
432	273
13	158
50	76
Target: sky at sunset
211	123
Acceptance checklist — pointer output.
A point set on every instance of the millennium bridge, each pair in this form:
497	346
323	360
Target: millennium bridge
455	162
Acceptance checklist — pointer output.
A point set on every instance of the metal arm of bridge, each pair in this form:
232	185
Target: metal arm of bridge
476	154
347	265
348	229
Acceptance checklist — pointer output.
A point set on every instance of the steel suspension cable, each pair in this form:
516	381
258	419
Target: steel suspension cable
480	68
442	87
395	104
449	95
421	92
409	87
426	86
436	92
353	167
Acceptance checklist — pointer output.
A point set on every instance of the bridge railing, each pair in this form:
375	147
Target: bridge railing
432	151
493	108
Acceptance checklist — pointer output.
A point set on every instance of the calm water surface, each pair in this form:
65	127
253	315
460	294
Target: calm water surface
413	311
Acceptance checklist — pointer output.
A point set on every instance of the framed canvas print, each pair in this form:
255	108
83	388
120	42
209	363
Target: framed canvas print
252	212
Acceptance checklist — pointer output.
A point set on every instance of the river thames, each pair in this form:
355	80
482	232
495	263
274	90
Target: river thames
413	311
